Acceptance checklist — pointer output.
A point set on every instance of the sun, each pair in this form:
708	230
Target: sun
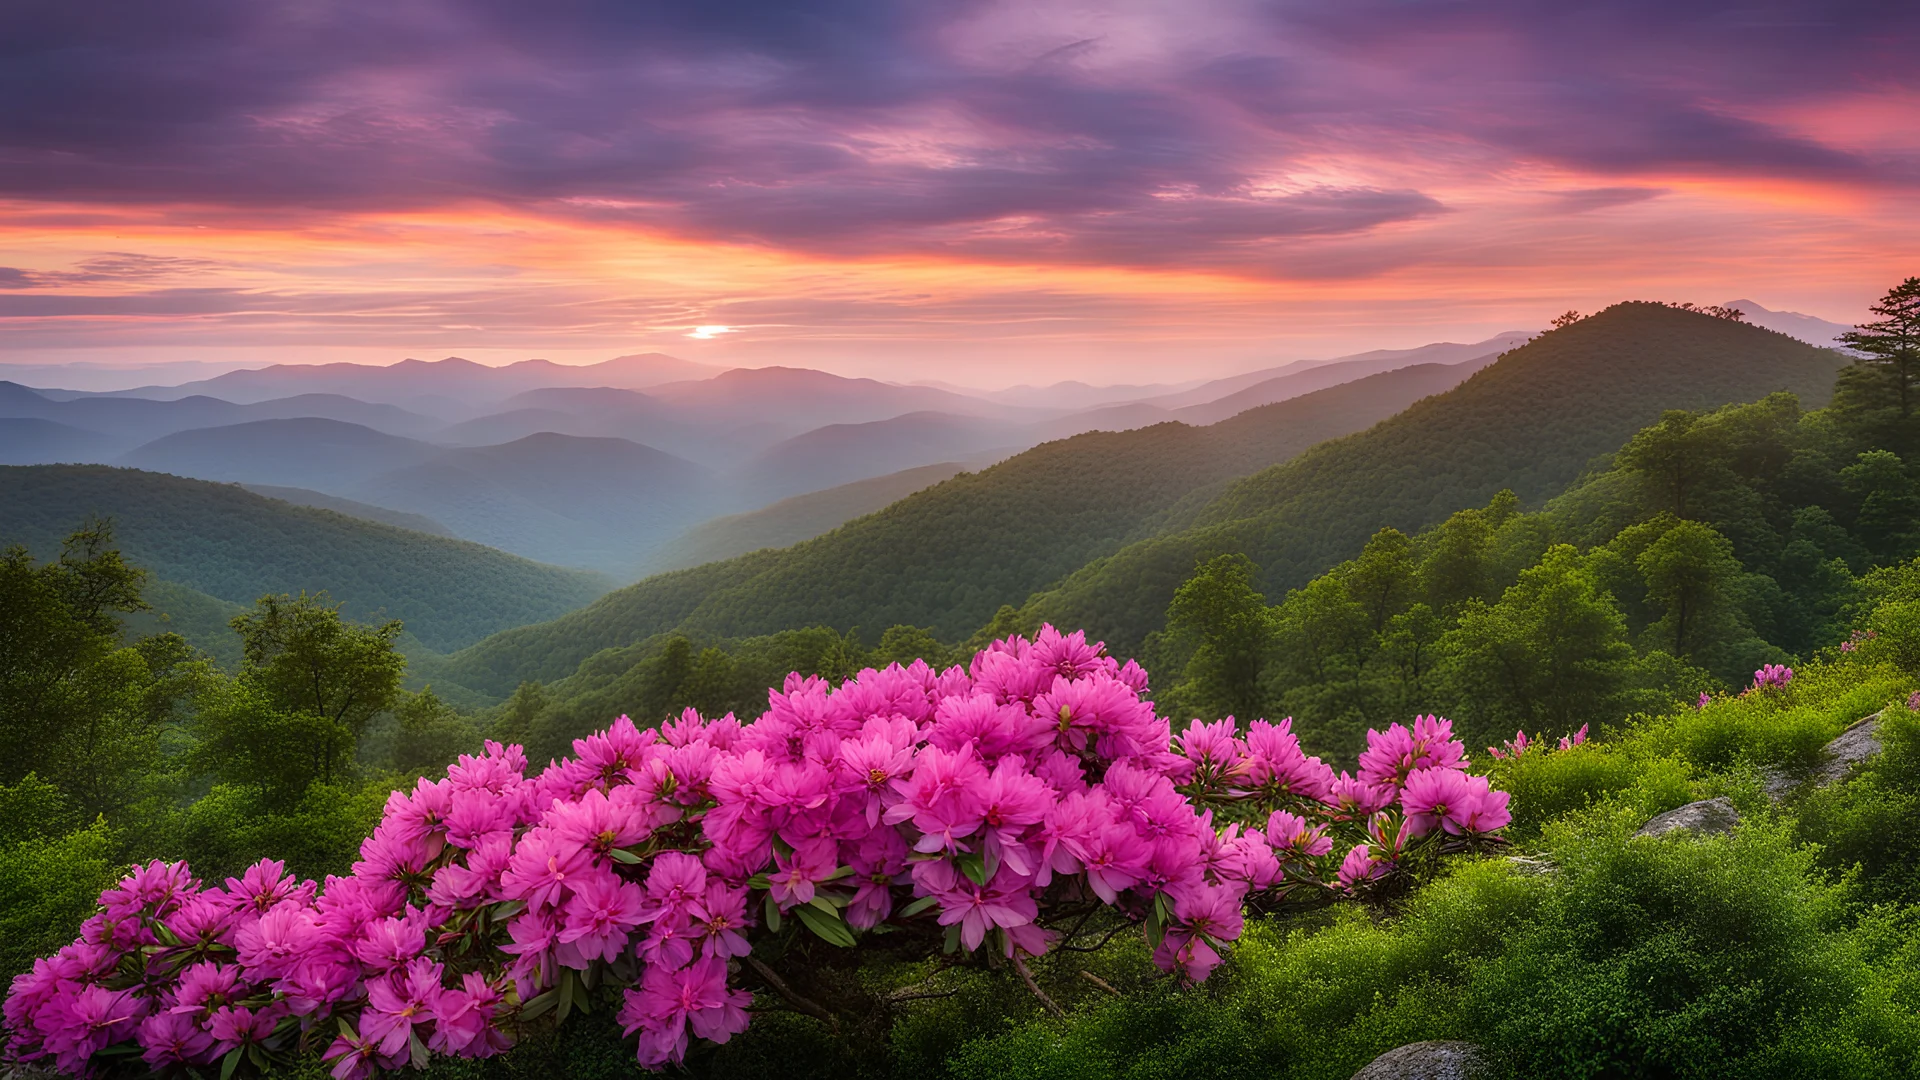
708	333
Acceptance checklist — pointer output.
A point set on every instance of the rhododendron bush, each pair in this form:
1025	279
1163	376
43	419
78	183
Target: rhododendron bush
984	813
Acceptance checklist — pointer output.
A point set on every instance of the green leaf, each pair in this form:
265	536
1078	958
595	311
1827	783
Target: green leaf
758	881
229	1063
508	909
536	1006
622	855
918	906
830	928
581	997
565	1004
952	944
974	867
1156	925
773	916
419	1050
838	873
831	903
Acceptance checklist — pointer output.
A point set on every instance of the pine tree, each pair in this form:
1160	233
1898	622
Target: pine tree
1892	343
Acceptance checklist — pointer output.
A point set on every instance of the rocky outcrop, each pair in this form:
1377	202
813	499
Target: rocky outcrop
1852	747
1437	1060
1704	817
1839	758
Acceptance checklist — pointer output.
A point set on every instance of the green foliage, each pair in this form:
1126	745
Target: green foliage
310	684
1217	637
1530	423
1866	824
49	882
77	706
1889	369
1550	655
234	826
1774	728
227	543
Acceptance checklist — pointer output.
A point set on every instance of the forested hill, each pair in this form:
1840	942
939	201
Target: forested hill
236	546
1531	422
950	556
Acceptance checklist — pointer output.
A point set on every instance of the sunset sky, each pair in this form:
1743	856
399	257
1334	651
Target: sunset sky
987	193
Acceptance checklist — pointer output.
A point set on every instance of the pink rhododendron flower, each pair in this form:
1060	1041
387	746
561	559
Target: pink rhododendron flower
596	919
642	859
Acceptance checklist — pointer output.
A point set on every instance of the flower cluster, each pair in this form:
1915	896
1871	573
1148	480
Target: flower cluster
1518	746
1857	639
1772	677
972	805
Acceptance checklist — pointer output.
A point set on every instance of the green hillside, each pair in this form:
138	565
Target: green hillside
791	520
950	556
1531	423
231	545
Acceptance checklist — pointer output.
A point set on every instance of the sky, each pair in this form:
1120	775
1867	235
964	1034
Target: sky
988	193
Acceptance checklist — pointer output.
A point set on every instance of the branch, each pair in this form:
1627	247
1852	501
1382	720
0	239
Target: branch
804	1004
896	999
1026	976
1096	946
1099	982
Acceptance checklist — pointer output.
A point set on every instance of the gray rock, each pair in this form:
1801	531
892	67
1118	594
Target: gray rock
1779	783
1848	749
1531	865
1839	758
1438	1060
1706	816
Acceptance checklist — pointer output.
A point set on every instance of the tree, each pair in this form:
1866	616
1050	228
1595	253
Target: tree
514	723
1888	507
1219	623
431	734
76	706
1892	342
310	683
1456	565
1692	574
1550	655
904	644
1565	319
1672	457
308	659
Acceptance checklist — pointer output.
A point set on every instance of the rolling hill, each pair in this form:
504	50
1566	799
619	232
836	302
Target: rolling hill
230	544
1530	422
949	556
790	521
126	423
1356	364
843	453
320	500
27	440
599	503
309	452
1318	378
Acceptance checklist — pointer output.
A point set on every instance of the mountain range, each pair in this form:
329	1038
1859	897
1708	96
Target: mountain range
1098	530
616	466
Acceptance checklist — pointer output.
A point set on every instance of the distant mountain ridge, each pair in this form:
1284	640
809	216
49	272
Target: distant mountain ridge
452	378
1807	328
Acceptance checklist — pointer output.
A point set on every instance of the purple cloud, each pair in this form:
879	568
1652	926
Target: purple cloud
860	126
